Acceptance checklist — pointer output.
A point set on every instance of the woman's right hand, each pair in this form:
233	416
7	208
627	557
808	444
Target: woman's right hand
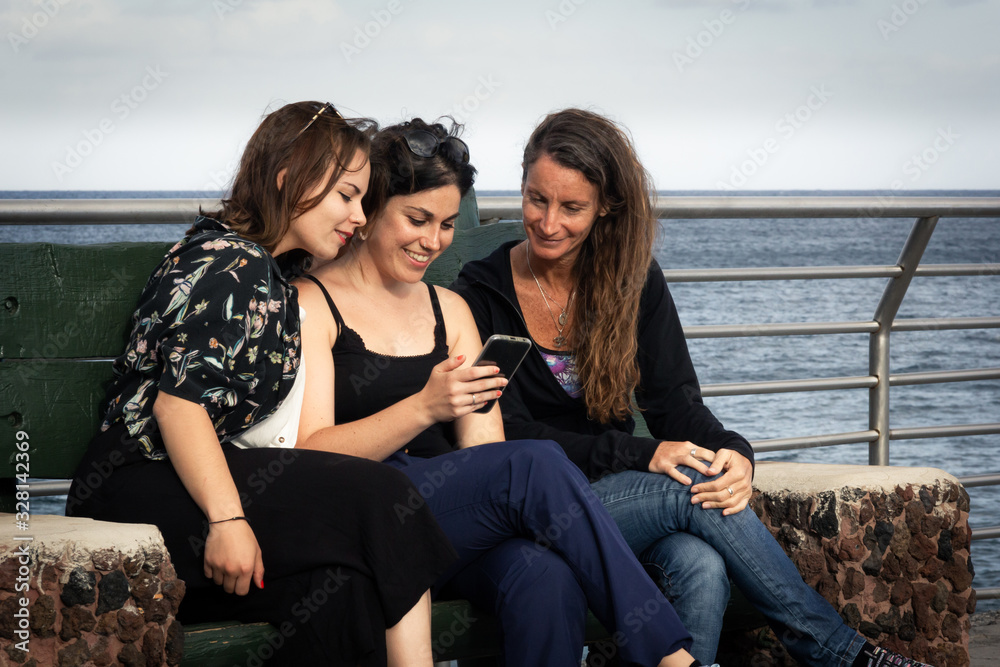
232	557
452	392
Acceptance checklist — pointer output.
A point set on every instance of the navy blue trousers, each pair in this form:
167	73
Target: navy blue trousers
523	508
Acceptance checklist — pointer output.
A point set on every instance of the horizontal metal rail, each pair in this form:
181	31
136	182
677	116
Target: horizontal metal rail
779	273
935	377
145	211
778	329
58	487
845	327
987	593
985	533
938	270
850	382
808	442
744	274
726	207
952	431
945	323
788	386
990	479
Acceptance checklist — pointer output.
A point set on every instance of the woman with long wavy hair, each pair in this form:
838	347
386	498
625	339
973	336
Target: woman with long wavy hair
585	288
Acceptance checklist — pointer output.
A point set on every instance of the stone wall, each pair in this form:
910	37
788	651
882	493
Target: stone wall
97	593
887	546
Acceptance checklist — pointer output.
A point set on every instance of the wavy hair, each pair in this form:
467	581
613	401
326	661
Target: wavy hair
256	207
614	259
396	170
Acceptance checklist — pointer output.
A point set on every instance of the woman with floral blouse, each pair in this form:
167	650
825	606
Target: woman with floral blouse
202	415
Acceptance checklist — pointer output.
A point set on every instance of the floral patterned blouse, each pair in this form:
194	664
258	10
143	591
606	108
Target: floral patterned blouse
217	325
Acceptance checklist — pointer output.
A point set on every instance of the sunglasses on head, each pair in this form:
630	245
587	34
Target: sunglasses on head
326	108
423	143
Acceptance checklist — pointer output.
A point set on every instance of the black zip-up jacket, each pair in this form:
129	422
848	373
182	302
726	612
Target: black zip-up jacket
535	406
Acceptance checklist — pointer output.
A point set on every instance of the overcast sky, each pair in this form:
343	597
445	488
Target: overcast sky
747	94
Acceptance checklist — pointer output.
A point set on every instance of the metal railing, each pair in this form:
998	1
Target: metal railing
926	210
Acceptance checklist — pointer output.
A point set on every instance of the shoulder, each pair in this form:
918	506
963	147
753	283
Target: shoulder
450	301
656	285
217	250
313	301
456	312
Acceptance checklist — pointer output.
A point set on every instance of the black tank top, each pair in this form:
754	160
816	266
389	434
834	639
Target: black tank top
367	382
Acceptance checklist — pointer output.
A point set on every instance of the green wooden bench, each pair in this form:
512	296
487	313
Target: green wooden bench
65	315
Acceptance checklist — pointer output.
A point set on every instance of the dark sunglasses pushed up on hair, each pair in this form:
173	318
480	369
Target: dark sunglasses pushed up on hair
423	143
326	108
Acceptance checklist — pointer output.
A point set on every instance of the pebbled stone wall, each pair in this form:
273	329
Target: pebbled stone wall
88	603
888	547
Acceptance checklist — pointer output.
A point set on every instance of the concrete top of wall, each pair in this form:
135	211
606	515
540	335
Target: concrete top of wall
812	478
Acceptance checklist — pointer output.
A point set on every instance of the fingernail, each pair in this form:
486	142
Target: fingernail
499	393
261	584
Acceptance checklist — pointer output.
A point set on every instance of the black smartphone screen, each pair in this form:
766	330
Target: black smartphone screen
505	352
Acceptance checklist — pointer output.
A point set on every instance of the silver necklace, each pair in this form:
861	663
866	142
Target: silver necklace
560	322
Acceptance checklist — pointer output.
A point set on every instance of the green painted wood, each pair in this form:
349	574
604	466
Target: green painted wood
468	212
468	245
458	632
70	301
226	644
56	403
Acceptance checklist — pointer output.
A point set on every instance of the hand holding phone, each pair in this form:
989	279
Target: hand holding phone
505	352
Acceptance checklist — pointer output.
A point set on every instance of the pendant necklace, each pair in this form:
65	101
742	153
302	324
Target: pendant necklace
560	322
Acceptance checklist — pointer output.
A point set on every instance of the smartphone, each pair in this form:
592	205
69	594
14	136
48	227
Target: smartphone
505	352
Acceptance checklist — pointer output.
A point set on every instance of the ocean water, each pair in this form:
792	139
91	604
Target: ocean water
797	242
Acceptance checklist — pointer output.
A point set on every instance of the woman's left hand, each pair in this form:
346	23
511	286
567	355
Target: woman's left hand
731	492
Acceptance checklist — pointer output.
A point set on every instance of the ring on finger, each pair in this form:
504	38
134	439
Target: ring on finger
474	401
730	489
694	452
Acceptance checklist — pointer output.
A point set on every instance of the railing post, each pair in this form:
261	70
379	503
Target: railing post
878	349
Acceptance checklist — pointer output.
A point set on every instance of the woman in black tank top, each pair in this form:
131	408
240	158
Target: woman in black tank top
389	378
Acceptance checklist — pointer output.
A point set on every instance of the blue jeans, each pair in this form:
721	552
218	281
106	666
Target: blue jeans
662	527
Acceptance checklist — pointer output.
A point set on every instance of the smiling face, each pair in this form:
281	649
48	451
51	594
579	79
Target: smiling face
559	207
412	231
326	228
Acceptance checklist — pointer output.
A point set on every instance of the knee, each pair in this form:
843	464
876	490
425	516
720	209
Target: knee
539	452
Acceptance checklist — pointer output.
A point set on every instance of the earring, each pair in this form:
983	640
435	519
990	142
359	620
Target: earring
363	234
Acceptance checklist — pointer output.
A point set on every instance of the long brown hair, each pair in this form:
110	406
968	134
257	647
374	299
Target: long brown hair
614	260
256	207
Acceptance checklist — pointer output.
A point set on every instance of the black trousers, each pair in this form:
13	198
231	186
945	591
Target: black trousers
346	551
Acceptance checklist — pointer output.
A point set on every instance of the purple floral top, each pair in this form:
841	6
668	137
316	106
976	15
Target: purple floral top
563	367
217	325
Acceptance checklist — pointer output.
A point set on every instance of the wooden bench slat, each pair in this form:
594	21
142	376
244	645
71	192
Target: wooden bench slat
56	403
65	301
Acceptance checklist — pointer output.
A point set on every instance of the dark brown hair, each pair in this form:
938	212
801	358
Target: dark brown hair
397	171
611	269
256	207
